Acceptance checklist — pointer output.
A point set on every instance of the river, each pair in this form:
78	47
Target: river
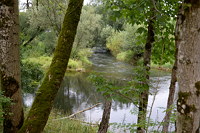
77	93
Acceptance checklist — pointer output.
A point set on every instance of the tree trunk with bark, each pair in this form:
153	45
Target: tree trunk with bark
172	87
147	61
106	117
42	105
10	65
188	74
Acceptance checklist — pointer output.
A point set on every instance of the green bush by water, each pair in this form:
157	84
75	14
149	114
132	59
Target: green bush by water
32	74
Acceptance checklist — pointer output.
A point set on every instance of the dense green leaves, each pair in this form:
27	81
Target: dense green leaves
124	45
139	12
3	101
31	76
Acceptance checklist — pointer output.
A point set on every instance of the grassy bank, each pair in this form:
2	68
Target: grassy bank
164	67
57	125
54	125
45	61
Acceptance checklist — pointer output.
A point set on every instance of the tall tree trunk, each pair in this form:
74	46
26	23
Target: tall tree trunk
106	117
147	61
188	105
172	87
42	105
9	65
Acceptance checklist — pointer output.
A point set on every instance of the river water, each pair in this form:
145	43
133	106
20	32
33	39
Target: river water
77	93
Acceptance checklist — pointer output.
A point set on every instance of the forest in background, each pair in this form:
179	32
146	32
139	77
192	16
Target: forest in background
145	34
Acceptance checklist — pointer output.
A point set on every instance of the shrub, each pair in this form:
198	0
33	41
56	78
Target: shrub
126	56
43	61
3	100
73	64
83	56
125	45
32	74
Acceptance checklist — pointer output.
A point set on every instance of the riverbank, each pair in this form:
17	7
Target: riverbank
73	65
57	125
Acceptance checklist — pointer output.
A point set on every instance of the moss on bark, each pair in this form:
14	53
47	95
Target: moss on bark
43	102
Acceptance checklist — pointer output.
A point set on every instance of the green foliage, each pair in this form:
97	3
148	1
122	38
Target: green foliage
125	45
125	56
164	46
31	76
80	59
139	12
110	17
35	50
43	61
48	14
112	88
102	85
3	101
88	29
28	29
83	56
73	64
105	33
48	39
116	42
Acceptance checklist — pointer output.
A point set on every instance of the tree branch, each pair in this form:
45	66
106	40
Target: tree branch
72	115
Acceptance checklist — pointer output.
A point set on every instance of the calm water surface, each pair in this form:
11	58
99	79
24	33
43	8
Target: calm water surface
77	93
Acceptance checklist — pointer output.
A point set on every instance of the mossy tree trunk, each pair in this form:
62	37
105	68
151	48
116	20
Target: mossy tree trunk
188	74
147	61
42	105
9	65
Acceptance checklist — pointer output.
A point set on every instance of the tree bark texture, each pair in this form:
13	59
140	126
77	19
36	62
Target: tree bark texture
188	74
42	105
106	117
172	86
10	65
147	61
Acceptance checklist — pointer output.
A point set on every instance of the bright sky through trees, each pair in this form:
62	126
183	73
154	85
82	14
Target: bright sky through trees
24	1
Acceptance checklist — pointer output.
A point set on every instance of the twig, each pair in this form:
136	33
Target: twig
151	108
72	115
154	4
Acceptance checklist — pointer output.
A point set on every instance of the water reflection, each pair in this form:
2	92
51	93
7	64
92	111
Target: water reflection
77	93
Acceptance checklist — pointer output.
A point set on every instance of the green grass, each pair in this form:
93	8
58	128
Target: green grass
57	125
154	72
126	56
74	64
45	62
67	125
164	66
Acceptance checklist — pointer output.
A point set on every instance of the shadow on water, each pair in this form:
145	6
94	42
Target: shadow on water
77	93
